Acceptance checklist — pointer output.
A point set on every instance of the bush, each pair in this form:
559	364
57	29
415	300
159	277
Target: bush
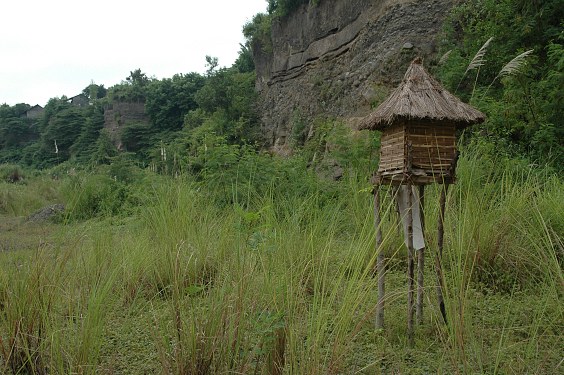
90	196
11	173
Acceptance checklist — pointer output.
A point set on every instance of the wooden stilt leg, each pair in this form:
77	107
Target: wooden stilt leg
397	217
410	267
421	258
439	255
380	262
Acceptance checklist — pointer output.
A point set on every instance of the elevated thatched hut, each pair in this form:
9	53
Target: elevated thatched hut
418	123
418	147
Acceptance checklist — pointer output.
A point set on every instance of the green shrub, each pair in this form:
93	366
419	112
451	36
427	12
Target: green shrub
90	196
22	199
11	173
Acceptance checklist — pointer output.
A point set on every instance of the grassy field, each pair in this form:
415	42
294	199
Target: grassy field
175	280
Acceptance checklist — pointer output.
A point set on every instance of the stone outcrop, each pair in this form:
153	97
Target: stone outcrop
46	213
339	58
117	114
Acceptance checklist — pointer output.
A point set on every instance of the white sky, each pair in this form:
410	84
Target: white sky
50	48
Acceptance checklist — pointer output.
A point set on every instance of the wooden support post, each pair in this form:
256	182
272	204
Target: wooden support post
397	217
410	266
421	258
439	255
380	261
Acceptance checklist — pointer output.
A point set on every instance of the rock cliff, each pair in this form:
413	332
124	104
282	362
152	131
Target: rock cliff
117	114
338	58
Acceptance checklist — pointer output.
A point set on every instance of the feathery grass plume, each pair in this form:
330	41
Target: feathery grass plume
511	68
515	65
476	63
478	59
444	57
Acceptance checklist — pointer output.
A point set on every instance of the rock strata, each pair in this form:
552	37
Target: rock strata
338	59
117	114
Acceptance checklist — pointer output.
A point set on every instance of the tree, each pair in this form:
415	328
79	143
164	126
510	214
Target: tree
16	131
170	99
245	62
61	132
211	64
136	137
94	91
85	145
12	125
227	98
104	149
133	89
523	108
137	78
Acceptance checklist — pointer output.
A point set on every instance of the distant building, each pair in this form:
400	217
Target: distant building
34	112
79	100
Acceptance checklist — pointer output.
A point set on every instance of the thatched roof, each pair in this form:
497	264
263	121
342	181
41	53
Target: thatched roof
421	97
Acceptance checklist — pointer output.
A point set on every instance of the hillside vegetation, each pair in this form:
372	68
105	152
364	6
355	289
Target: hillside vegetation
192	250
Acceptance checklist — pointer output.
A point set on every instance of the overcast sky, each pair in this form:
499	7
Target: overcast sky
50	48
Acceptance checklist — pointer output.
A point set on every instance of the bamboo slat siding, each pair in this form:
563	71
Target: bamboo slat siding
433	147
431	150
392	151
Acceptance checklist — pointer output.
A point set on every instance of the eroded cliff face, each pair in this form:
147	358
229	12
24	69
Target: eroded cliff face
339	58
118	114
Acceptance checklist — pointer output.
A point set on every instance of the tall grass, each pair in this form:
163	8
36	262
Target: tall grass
19	199
243	284
274	282
504	240
53	308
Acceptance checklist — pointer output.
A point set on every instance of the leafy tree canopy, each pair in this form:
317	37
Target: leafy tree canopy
170	99
94	91
518	79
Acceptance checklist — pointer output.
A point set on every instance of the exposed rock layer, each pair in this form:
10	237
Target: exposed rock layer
117	114
339	58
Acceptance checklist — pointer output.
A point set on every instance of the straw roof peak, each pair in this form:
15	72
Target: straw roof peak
421	97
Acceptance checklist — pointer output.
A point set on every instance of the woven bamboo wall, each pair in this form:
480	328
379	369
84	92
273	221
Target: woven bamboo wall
433	147
393	150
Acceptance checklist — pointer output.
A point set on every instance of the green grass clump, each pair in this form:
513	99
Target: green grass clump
21	199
